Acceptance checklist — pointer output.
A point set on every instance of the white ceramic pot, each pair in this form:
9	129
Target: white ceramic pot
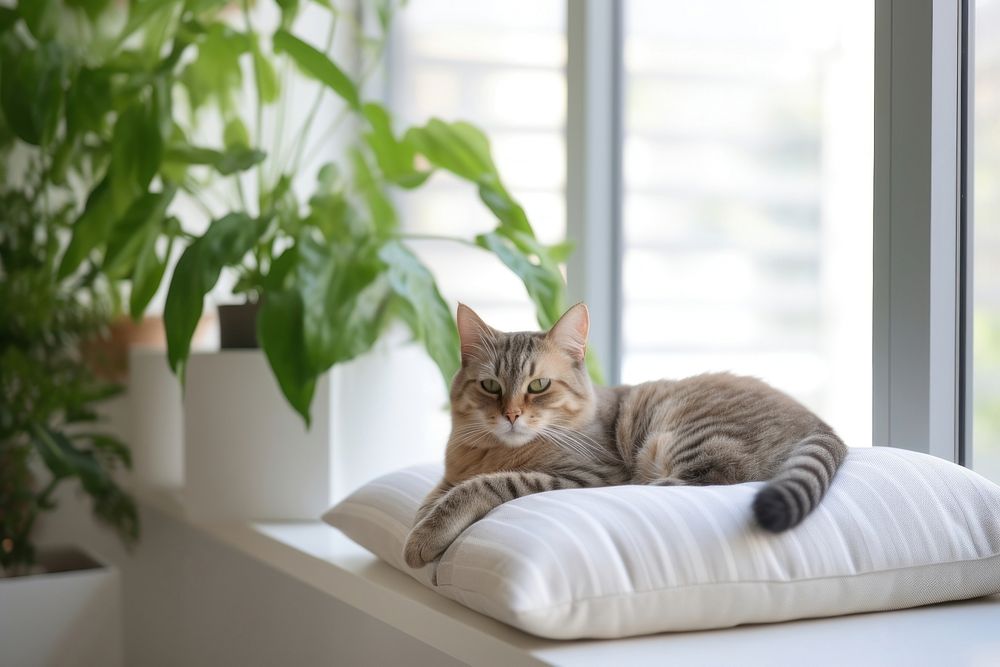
155	421
247	454
70	616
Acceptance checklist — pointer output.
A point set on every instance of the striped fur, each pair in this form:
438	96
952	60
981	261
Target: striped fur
708	429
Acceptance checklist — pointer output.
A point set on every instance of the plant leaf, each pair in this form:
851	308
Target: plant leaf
544	283
41	17
136	151
224	243
141	222
433	323
394	157
228	162
8	17
90	228
216	72
235	134
343	291
88	101
464	150
315	64
267	79
31	87
383	213
149	270
281	334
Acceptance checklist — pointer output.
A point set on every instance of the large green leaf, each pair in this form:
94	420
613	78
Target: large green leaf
315	64
91	228
281	333
88	101
215	73
8	17
445	147
432	323
225	243
543	281
31	87
41	17
149	269
383	213
141	222
395	158
136	151
464	150
343	290
136	155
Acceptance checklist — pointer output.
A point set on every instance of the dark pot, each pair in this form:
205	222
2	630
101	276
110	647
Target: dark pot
238	326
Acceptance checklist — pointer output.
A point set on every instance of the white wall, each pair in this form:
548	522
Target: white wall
190	600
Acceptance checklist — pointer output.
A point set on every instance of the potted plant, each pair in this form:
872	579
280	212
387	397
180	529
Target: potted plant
169	120
50	435
318	252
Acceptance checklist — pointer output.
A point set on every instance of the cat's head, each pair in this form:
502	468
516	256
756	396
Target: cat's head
514	387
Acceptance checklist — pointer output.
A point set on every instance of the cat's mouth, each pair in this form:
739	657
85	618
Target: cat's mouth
514	435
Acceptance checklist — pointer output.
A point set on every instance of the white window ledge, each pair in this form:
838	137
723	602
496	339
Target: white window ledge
322	558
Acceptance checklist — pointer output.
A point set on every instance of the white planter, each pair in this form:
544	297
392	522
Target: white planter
156	421
66	618
247	454
391	409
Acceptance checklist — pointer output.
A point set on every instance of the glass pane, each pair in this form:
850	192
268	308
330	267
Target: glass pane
499	65
748	197
986	239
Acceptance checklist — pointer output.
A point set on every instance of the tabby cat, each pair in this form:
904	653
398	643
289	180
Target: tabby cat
526	419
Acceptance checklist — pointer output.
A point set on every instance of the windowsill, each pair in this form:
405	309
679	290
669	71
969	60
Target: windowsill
322	558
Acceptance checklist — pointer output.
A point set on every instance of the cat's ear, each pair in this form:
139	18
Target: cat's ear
570	332
475	335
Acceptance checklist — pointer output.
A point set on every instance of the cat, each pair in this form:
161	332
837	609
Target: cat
526	418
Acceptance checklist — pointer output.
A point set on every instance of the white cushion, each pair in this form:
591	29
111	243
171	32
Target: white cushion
897	529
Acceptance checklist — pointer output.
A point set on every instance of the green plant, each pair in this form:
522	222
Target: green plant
118	100
332	269
48	392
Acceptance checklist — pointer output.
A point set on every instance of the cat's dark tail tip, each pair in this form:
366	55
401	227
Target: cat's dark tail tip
772	511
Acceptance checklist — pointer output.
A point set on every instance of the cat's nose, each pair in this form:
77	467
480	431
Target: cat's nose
512	415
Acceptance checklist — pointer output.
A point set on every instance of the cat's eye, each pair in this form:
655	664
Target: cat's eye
492	386
538	385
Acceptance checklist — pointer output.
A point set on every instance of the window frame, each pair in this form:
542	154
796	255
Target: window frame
922	270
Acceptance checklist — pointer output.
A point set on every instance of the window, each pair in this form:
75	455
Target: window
748	137
986	249
499	65
748	197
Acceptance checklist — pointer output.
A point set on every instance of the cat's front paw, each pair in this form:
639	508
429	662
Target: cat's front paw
424	544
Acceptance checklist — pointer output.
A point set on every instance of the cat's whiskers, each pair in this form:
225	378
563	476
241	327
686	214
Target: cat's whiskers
579	442
566	441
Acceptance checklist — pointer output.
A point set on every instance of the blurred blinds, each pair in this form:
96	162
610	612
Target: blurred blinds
986	240
748	196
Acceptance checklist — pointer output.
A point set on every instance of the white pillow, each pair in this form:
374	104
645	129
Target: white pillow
897	529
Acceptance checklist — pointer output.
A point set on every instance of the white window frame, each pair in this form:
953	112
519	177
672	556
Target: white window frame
921	327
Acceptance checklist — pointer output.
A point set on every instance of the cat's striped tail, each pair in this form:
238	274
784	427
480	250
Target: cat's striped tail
801	482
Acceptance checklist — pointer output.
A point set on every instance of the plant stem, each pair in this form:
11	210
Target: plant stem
259	129
334	125
239	191
287	91
299	144
437	237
